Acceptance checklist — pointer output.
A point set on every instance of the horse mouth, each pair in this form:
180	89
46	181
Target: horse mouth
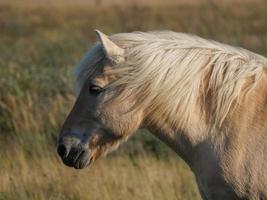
76	157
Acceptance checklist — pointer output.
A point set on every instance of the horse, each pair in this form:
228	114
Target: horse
206	100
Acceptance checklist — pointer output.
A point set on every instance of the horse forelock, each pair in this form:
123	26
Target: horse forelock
172	74
89	64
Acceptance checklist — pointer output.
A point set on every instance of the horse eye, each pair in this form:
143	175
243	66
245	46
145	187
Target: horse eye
95	90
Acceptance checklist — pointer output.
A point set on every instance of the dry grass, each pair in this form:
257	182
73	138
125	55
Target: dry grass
40	43
143	177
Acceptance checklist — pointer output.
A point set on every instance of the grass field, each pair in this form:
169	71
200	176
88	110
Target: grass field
40	44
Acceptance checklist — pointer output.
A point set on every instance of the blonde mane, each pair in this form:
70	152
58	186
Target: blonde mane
172	74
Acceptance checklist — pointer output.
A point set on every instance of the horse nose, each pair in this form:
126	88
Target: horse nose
65	145
62	150
73	151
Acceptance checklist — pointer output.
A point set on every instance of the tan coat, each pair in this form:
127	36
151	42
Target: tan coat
204	99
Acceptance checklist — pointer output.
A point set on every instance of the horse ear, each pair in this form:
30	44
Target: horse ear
113	52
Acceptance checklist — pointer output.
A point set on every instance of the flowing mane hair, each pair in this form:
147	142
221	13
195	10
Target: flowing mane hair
173	75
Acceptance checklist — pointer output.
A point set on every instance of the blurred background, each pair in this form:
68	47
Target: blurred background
40	43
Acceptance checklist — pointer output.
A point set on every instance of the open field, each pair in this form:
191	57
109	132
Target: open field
114	178
39	45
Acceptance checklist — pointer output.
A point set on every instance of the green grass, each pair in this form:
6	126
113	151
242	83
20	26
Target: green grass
39	45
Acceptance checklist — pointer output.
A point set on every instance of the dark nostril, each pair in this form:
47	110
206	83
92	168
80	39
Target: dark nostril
62	150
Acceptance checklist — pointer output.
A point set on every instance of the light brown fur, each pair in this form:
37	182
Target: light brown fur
209	106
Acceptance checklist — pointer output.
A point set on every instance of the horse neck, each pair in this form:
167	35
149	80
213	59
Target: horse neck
184	140
197	140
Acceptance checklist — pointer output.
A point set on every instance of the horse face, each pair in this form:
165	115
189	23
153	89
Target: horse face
98	122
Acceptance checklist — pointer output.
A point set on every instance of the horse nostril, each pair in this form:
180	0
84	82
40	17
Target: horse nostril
62	150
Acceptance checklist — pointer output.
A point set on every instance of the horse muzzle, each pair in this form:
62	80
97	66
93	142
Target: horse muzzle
74	153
